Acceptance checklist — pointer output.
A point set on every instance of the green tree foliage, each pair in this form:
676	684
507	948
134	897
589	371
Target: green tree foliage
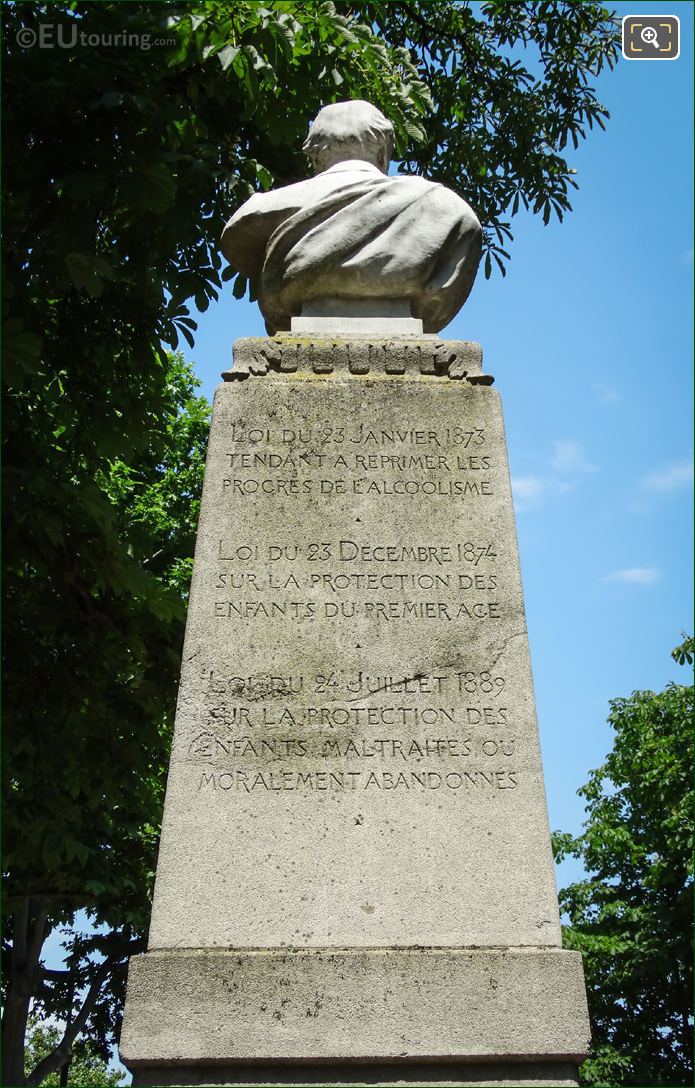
93	664
511	88
122	163
631	917
87	1068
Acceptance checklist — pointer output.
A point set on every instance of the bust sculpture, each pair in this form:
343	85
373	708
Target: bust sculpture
352	232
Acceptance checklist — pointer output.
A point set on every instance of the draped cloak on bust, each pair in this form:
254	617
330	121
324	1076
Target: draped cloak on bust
353	232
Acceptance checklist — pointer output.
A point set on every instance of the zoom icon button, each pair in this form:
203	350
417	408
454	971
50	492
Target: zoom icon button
651	37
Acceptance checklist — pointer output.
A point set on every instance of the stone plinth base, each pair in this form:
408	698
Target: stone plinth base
357	317
366	1075
204	1013
355	883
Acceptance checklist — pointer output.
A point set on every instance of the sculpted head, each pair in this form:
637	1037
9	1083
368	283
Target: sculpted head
349	130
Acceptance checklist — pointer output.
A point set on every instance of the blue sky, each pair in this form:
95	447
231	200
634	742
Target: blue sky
590	341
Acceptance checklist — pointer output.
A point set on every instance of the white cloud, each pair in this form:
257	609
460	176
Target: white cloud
567	460
670	477
568	457
688	256
607	394
528	492
643	576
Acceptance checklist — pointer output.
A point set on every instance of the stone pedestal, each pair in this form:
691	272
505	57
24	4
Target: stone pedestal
355	883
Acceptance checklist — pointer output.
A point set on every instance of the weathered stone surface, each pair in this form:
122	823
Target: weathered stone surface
366	1074
344	1004
355	862
353	231
356	759
313	354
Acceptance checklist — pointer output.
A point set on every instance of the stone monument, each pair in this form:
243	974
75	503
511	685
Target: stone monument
355	883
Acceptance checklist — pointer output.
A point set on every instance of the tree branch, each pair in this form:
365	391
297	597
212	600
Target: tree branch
40	931
29	933
21	930
62	1053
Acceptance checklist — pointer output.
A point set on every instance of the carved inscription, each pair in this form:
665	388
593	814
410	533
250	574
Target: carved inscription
447	463
322	580
262	733
425	581
352	728
353	780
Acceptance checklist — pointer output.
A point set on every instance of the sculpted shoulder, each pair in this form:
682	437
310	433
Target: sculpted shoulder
245	237
247	233
353	232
